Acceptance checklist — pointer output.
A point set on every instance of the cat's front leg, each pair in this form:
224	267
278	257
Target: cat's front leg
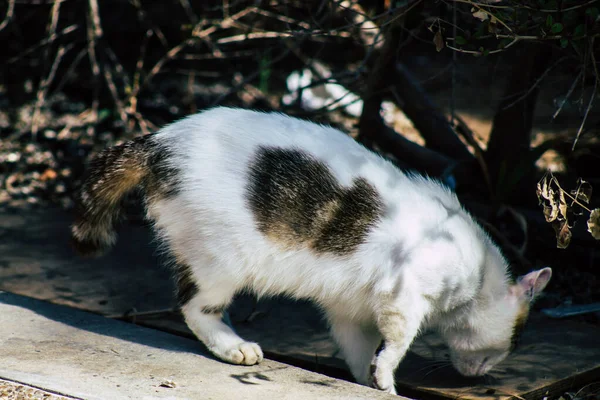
399	322
357	343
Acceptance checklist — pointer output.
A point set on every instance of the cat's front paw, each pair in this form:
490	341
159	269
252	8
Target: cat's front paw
382	379
244	353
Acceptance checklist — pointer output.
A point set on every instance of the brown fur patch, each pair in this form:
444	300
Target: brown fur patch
115	172
297	202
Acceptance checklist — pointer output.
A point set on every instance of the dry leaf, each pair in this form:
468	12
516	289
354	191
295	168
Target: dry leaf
551	210
480	15
438	40
550	213
545	188
493	26
562	205
594	223
563	234
583	192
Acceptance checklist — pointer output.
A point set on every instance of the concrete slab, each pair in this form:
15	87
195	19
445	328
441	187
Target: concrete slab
82	355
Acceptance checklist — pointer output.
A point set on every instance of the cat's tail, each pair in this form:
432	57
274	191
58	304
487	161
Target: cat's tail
112	174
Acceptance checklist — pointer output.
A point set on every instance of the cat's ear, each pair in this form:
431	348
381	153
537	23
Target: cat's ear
529	286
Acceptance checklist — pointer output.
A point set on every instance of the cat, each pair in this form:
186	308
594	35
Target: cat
271	204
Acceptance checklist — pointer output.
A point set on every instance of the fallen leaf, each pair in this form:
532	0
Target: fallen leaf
438	40
48	174
594	223
168	384
563	234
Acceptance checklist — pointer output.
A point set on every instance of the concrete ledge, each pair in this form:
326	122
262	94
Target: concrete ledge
82	355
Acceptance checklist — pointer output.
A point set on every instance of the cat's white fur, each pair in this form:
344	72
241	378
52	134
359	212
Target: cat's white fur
425	264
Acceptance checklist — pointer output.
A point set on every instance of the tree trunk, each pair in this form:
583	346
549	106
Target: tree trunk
508	153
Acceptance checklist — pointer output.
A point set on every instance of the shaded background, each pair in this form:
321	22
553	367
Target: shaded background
485	95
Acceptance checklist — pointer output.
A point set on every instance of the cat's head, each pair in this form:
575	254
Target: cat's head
493	328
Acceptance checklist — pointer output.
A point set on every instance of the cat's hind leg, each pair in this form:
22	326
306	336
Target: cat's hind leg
202	306
357	344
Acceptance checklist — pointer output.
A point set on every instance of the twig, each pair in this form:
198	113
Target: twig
74	64
142	17
95	14
536	83
592	96
283	18
564	9
248	78
480	53
10	10
117	66
135	90
196	34
108	77
67	30
91	45
575	201
44	86
562	103
271	35
52	24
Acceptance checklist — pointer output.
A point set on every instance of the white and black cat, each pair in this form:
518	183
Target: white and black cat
271	204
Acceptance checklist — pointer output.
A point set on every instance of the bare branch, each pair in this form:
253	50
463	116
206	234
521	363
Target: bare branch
592	96
48	40
571	89
10	10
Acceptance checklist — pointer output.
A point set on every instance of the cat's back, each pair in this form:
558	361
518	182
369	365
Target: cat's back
220	144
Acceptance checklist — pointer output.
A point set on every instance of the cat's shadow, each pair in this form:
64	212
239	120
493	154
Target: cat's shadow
99	325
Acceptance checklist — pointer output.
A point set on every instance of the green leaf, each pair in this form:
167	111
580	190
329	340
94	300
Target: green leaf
579	30
557	27
459	40
103	113
549	20
592	12
564	42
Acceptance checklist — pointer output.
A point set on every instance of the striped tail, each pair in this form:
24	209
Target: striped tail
113	174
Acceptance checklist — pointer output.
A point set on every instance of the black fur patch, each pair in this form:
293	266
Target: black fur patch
296	201
186	285
165	177
518	328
